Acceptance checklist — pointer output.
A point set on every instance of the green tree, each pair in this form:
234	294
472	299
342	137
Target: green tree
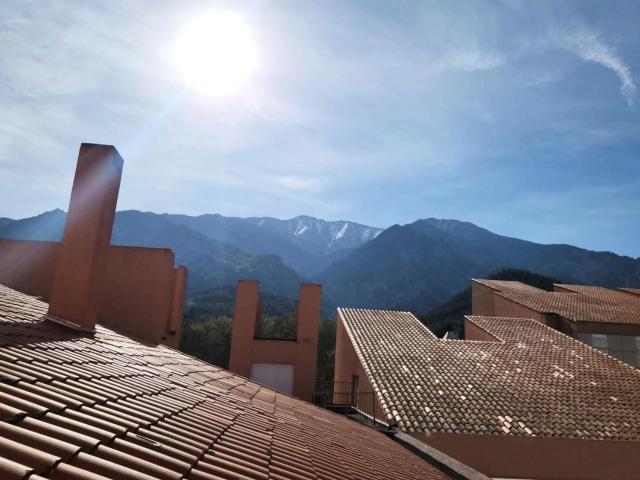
209	340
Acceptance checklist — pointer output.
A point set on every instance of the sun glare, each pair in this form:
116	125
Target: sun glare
216	54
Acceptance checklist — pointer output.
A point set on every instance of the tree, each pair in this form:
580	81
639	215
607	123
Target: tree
209	340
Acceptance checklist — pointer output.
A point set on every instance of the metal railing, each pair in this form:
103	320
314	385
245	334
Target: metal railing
341	398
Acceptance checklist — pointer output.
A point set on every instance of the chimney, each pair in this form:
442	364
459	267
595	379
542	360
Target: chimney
82	256
307	331
245	326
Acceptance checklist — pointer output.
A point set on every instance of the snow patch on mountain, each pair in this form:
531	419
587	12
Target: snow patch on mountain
342	231
300	230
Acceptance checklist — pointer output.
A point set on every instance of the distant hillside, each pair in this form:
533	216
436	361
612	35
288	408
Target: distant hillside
307	245
450	315
220	302
5	221
211	263
411	267
46	226
421	265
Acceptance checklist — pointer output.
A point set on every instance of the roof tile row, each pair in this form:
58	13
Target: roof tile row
79	406
574	302
532	380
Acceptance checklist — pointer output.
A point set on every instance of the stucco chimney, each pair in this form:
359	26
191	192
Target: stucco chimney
82	257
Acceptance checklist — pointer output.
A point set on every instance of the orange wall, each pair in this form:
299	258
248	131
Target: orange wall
28	266
302	352
138	292
473	331
508	308
142	293
488	302
539	457
481	299
348	364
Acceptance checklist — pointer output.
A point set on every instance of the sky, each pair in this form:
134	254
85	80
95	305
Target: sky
522	117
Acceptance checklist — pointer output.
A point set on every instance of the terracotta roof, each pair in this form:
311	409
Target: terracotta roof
635	291
531	381
582	303
92	406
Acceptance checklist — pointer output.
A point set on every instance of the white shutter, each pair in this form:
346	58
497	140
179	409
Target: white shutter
278	376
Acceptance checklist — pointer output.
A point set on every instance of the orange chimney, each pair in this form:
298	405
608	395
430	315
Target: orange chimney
82	257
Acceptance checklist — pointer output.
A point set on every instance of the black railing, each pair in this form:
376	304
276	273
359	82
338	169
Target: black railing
341	397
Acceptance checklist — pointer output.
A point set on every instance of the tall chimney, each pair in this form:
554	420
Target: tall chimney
82	256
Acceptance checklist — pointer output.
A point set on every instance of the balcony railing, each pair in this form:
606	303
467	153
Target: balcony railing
341	398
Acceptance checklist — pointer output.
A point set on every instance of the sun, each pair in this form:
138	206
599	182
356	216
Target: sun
216	54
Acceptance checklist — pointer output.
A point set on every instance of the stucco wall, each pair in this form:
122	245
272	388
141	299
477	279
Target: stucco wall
28	266
302	352
539	457
473	331
508	308
346	365
481	299
141	292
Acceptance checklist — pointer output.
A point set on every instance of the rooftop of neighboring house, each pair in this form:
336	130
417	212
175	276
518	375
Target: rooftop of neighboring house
94	405
519	378
577	303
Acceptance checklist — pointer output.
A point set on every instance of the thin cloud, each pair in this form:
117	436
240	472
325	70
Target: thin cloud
588	46
470	61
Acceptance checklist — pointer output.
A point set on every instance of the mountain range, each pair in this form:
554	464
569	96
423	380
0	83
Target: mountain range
415	267
422	264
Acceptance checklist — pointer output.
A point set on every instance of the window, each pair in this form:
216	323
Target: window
600	340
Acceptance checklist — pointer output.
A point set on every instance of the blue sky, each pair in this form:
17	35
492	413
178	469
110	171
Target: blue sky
522	117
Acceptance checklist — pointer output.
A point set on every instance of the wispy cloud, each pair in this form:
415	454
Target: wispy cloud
297	183
470	60
590	47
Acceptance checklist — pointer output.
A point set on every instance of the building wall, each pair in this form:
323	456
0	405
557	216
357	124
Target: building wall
142	293
481	299
139	293
619	340
625	348
542	458
485	301
508	308
347	364
28	266
302	353
472	331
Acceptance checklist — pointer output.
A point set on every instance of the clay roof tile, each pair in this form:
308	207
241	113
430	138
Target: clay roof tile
84	406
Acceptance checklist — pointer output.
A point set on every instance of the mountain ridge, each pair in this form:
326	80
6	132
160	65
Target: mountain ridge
415	266
422	264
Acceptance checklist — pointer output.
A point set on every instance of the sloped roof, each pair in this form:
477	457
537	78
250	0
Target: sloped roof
531	381
635	291
582	303
91	406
